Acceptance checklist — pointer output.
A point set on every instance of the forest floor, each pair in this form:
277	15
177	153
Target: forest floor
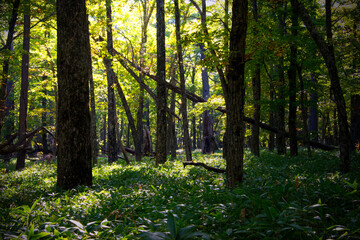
282	197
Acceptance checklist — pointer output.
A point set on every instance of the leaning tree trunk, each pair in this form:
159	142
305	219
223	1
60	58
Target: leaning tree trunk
161	88
20	163
327	51
234	92
4	77
74	71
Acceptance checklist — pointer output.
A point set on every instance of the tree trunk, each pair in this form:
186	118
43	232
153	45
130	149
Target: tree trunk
20	163
103	136
304	110
193	120
4	77
183	107
292	86
234	92
280	111
94	143
112	146
161	88
314	118
355	120
256	86
327	51
74	71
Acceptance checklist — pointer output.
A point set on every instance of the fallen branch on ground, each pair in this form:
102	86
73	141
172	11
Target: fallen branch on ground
207	167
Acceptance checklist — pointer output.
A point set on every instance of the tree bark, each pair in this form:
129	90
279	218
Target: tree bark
112	145
94	143
161	87
327	51
304	110
20	163
292	86
74	71
355	120
4	77
314	118
234	93
183	107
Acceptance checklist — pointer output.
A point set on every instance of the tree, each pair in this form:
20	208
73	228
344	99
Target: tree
4	76
20	163
327	51
161	88
234	93
355	120
112	147
256	86
185	123
74	71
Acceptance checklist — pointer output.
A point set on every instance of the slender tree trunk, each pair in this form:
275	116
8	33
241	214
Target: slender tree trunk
74	72
256	86
355	120
161	88
314	118
292	86
112	145
304	110
280	111
20	163
103	136
183	107
4	77
44	140
271	118
94	143
327	51
234	92
193	105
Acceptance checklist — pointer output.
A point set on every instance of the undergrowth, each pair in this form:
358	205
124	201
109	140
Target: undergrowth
282	197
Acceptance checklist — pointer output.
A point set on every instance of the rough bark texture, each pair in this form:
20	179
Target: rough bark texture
355	120
234	92
185	123
74	70
161	87
292	86
112	145
4	76
327	51
304	111
20	163
280	111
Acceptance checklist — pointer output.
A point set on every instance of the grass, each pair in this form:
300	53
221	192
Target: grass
282	197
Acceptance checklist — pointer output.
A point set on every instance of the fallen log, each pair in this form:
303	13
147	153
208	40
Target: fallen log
195	98
207	167
7	147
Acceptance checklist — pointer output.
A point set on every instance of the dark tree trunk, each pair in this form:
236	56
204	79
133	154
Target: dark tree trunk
193	120
74	71
44	140
112	145
4	78
172	142
20	163
161	88
355	120
103	136
183	107
94	143
304	110
256	86
314	118
234	92
292	86
272	118
280	111
327	51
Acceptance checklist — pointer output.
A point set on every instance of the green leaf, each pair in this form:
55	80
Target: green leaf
76	223
171	224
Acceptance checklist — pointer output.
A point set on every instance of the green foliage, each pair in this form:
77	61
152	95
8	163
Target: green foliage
281	198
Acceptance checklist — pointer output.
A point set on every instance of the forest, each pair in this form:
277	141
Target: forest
195	119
